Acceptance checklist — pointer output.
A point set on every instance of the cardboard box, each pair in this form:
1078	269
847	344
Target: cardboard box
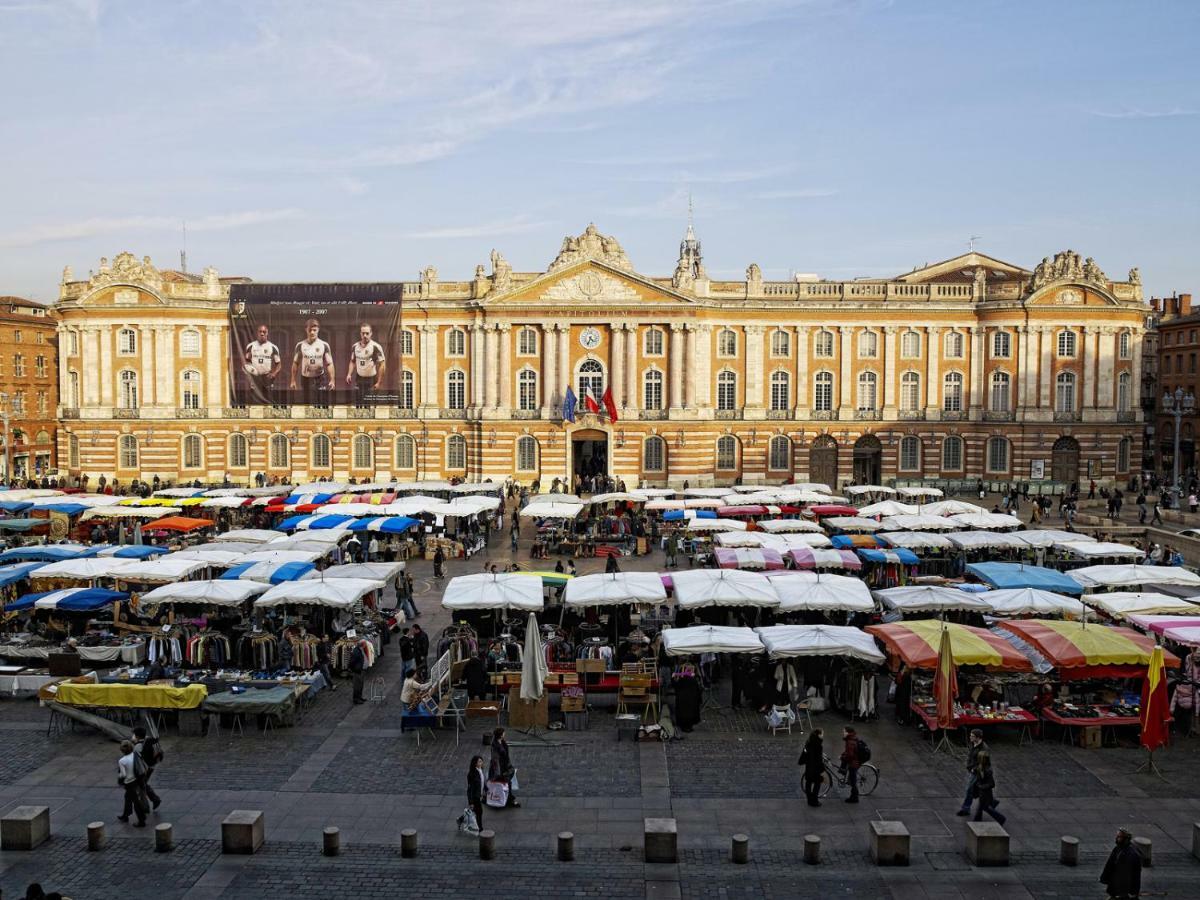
1090	737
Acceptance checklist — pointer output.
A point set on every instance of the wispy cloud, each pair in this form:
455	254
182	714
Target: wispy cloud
514	225
795	194
101	225
1136	113
716	176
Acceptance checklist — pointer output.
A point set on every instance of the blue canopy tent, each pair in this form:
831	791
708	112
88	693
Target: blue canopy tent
291	523
851	541
893	555
1004	575
328	522
48	552
15	572
316	499
71	509
277	573
678	515
69	599
384	524
21	524
133	551
15	506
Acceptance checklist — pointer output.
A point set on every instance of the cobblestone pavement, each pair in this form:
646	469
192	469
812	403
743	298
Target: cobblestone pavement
351	767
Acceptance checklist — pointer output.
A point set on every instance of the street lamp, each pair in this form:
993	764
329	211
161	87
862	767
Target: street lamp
1178	405
7	438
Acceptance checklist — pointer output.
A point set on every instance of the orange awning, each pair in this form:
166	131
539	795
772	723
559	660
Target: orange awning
178	523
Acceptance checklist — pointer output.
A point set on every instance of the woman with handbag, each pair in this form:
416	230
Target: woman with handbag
812	757
476	789
501	767
985	788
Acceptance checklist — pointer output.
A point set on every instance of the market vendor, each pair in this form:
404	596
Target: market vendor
415	689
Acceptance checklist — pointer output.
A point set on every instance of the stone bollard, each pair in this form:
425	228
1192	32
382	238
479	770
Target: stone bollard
487	844
243	831
1068	850
163	840
408	843
739	850
987	844
1142	845
95	836
331	841
566	846
25	828
660	841
812	849
889	843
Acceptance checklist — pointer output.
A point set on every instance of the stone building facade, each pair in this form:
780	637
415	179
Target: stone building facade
28	386
969	368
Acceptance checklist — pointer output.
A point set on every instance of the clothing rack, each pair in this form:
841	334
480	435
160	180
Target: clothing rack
258	651
208	648
304	650
168	645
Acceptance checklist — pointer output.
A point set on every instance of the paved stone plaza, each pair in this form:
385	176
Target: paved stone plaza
351	767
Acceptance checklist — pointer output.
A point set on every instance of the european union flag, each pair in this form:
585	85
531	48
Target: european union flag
569	402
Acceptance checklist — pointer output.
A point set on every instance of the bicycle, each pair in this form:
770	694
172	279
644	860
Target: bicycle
868	778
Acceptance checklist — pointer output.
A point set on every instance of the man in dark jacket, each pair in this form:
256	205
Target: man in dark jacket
1122	875
975	745
324	652
406	652
358	663
420	645
851	761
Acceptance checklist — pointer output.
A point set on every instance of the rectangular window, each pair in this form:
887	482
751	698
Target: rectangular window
39	338
653	342
526	342
997	455
127	342
653	393
1001	345
72	343
43	403
456	342
823	395
17	336
952	454
39	365
910	454
18	365
189	342
406	343
823	345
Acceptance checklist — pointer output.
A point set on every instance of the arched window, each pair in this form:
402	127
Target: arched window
527	341
322	452
779	456
364	452
527	389
910	453
126	342
1001	384
193	451
191	389
997	454
910	345
868	345
654	454
406	342
1124	392
526	454
591	378
781	391
42	437
823	392
1124	345
73	451
781	343
652	389
408	389
653	342
726	343
456	389
189	342
726	452
128	456
726	390
910	391
954	345
456	342
952	453
127	395
1001	345
867	390
823	345
952	392
405	452
1066	343
456	452
279	451
1064	392
239	451
1123	448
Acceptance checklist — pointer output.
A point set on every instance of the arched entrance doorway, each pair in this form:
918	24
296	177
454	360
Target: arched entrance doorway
1064	460
589	454
868	460
823	461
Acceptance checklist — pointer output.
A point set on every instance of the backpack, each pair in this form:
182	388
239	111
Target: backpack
864	752
140	769
152	752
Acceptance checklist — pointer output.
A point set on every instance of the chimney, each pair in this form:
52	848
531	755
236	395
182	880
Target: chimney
1185	304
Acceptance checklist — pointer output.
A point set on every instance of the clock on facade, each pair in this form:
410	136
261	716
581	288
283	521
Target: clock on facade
589	338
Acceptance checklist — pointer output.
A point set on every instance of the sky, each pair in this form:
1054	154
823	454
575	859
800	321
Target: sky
365	139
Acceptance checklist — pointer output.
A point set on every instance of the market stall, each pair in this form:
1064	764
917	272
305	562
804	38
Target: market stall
824	560
885	568
749	559
808	592
1027	601
1018	575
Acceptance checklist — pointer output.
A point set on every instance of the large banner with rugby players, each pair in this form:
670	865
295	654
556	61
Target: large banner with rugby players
314	344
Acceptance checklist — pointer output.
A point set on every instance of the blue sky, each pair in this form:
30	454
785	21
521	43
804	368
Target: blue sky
363	139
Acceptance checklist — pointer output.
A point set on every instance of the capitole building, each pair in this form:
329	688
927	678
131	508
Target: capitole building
969	368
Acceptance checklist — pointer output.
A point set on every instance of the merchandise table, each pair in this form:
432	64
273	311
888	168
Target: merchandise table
279	703
1014	716
17	681
131	696
1107	719
608	683
130	654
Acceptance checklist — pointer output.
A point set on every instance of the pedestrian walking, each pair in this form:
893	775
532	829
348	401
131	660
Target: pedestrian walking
1141	505
672	550
1157	518
324	655
439	562
130	769
501	768
812	757
975	746
985	788
151	752
851	760
476	789
420	646
1122	874
358	664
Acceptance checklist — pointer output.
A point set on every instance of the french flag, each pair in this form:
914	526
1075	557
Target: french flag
590	401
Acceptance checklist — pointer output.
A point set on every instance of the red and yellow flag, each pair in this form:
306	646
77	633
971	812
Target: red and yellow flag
1155	714
945	684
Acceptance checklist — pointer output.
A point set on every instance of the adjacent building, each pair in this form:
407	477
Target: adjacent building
28	388
968	368
1176	341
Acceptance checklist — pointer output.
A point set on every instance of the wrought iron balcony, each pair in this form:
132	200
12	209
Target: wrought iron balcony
954	415
280	411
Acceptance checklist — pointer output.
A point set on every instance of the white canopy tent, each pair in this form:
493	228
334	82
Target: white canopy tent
715	525
930	598
500	591
248	535
661	505
613	588
652	493
1048	537
809	486
1099	550
212	557
779	526
858	490
1131	575
756	539
723	587
979	540
921	491
710	639
372	571
888	508
541	509
164	568
917	540
986	521
330	536
852	524
823	593
919	522
708	492
702	503
1031	602
279	557
785	542
84	569
129	512
1120	604
339	593
789	641
949	508
210	593
615	497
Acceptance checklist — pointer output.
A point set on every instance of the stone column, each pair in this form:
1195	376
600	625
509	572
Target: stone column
164	365
146	338
491	369
845	390
704	367
616	362
1106	386
689	384
478	367
107	389
676	365
65	397
430	395
889	390
933	371
504	336
1047	345
89	363
1088	354
754	367
977	351
564	361
1135	399
549	367
212	365
632	375
802	400
1027	362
